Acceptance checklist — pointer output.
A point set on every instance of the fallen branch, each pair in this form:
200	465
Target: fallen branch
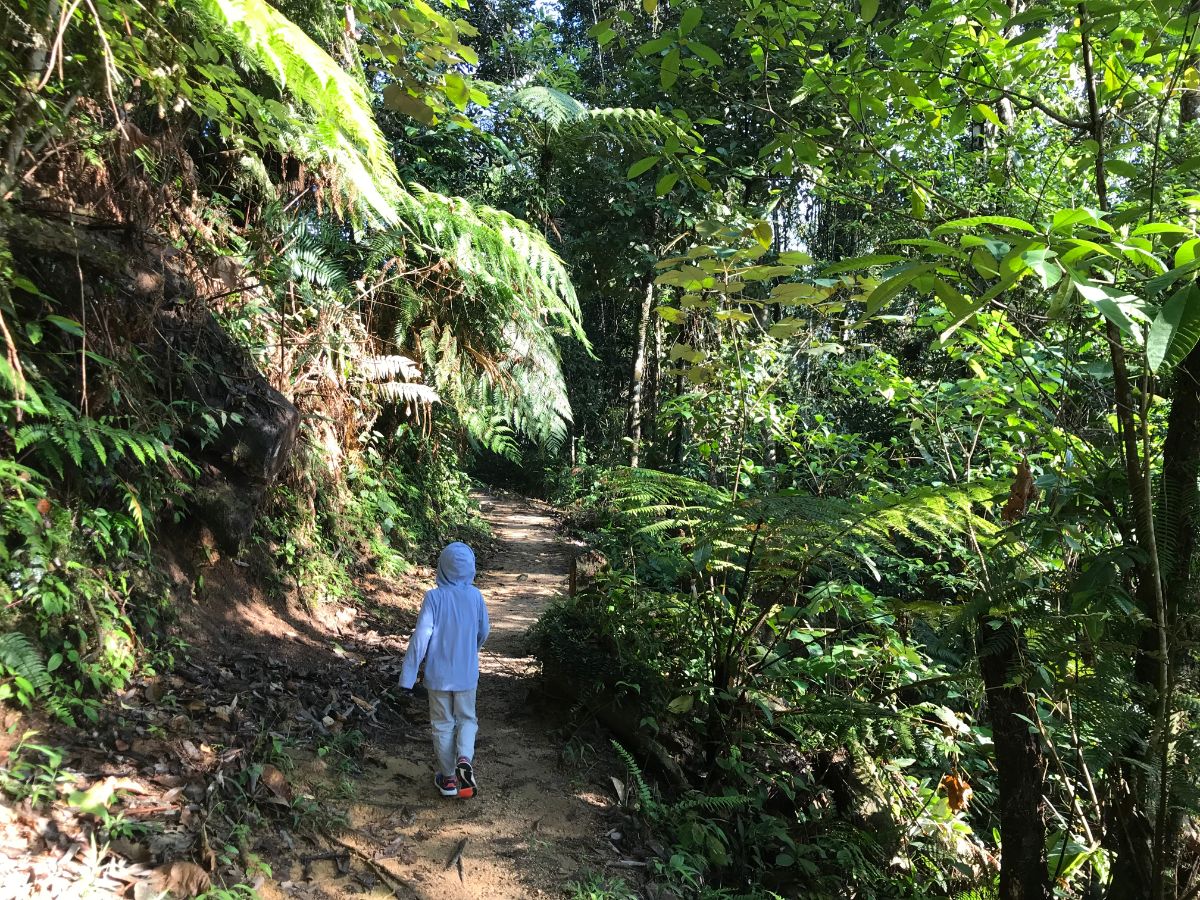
392	880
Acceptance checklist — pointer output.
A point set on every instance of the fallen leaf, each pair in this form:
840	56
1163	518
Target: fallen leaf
182	879
276	782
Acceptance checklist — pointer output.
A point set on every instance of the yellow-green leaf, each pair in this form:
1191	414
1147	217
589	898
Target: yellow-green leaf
457	91
989	114
763	233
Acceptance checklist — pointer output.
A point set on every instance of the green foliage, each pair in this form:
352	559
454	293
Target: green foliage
343	130
32	772
25	670
494	299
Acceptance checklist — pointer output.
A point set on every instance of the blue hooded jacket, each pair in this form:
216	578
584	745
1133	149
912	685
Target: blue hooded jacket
451	627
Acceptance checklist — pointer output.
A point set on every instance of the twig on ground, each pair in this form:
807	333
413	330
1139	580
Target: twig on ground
456	857
392	880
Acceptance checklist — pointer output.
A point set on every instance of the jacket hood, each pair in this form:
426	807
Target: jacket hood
456	565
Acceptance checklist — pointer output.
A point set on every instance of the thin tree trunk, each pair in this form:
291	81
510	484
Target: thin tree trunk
637	378
1020	765
681	428
652	392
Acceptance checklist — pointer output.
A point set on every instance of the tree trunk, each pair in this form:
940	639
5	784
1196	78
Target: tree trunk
680	437
1020	765
637	378
651	394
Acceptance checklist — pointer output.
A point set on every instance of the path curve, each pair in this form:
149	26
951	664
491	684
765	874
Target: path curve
530	830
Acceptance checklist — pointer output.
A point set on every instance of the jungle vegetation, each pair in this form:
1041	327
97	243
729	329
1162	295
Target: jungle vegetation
859	338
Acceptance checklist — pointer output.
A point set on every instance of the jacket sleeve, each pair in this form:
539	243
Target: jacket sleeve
485	626
418	644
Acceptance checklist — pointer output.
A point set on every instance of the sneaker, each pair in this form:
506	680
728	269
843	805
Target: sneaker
466	777
447	784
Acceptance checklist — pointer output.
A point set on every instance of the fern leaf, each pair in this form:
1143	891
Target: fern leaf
345	130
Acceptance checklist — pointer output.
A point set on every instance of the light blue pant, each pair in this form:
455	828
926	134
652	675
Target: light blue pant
452	718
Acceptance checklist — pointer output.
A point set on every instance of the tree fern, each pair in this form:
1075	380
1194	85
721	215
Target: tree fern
482	310
792	532
567	119
343	130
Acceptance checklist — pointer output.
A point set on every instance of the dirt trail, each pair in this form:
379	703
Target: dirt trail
530	830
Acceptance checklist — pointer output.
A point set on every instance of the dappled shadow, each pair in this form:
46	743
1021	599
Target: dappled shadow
262	668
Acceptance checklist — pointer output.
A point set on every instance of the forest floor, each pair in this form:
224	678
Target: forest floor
278	752
531	829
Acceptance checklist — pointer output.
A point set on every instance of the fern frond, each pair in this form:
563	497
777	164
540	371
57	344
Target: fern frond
645	798
485	320
344	130
20	658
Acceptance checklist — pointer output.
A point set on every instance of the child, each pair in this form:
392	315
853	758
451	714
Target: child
450	630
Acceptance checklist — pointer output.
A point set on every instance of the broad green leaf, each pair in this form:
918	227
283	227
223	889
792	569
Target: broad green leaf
21	283
671	314
687	353
956	304
1040	261
869	9
787	328
765	273
665	183
70	326
733	315
976	221
656	45
401	100
1120	307
858	263
1122	168
669	71
691	18
1065	219
795	258
1175	329
457	91
989	114
1162	282
985	263
1161	228
1186	252
887	291
682	704
706	53
793	292
763	234
641	166
650	6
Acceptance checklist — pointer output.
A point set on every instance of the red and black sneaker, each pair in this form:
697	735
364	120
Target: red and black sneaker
447	784
466	777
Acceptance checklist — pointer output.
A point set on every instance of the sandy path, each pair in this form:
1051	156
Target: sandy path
530	830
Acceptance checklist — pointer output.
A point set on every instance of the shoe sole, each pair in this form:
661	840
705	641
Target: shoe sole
443	791
466	778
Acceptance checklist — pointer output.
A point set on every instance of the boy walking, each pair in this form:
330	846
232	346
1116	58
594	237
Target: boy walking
450	630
